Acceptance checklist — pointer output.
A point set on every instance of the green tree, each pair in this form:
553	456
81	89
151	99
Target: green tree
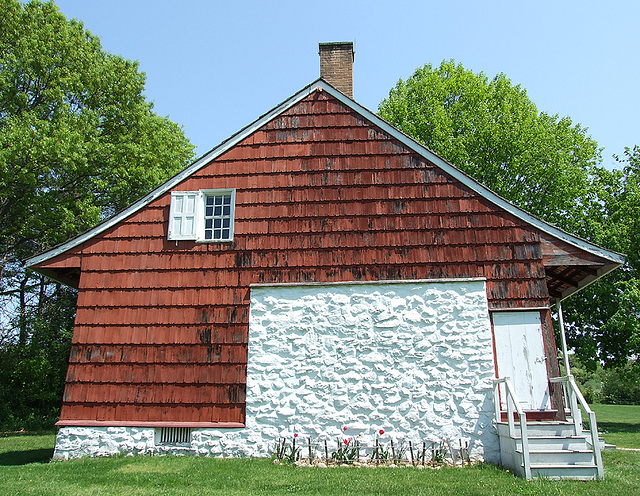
78	142
491	130
543	163
605	322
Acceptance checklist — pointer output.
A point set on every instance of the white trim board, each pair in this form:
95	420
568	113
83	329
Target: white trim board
518	309
321	85
364	283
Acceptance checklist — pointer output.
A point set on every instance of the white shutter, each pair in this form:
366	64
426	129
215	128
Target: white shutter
183	215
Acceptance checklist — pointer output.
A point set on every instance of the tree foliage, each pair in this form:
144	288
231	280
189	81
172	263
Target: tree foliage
606	315
546	165
78	141
618	385
491	130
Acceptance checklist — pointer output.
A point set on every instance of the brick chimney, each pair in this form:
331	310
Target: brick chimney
336	65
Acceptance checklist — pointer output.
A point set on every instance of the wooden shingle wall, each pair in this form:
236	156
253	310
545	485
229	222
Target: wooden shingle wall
321	195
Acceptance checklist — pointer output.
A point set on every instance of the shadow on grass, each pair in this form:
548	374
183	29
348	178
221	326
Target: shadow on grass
28	456
619	427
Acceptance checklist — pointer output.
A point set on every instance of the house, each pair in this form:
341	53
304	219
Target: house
319	269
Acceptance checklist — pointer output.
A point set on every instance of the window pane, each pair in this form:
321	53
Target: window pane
218	200
218	211
217	223
226	222
217	234
227	200
208	224
225	234
208	211
209	200
226	211
208	234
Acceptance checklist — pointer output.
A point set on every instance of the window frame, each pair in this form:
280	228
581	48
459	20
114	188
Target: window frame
200	235
197	233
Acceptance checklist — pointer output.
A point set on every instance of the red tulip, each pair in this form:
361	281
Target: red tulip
295	435
346	441
381	432
344	428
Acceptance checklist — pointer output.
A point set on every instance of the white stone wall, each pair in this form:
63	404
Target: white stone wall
414	359
75	442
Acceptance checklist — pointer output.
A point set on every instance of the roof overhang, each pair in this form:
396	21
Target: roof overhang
563	281
610	259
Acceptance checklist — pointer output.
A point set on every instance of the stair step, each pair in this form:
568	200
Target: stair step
560	457
555	451
541	429
555	443
559	471
532	415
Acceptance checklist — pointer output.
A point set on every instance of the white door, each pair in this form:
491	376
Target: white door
520	356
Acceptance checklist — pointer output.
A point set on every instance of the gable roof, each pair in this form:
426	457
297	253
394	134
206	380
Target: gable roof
614	259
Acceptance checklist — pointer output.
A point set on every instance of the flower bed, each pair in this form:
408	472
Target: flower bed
388	451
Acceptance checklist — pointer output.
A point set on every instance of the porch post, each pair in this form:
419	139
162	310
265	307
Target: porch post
565	356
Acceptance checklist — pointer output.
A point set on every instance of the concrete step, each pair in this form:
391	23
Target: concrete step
551	471
560	457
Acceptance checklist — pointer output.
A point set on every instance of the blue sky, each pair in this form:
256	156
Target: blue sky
214	67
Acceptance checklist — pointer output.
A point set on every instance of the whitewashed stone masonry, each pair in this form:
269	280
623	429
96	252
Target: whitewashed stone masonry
414	359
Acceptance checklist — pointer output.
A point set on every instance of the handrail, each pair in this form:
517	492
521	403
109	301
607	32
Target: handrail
511	395
575	396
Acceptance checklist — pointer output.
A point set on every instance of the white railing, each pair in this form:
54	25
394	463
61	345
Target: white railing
575	400
512	402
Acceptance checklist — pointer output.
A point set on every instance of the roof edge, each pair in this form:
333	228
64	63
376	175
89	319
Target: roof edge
178	178
472	183
321	85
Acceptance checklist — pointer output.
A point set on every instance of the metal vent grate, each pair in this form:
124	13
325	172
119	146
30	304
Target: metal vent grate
175	435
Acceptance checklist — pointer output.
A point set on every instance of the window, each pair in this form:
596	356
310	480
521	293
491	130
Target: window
204	216
217	216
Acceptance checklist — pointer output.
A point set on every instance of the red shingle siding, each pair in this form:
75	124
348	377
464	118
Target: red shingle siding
322	196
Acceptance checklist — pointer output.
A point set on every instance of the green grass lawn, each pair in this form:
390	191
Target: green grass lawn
25	470
620	424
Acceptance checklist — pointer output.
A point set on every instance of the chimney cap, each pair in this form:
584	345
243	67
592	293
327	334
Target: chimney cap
331	45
